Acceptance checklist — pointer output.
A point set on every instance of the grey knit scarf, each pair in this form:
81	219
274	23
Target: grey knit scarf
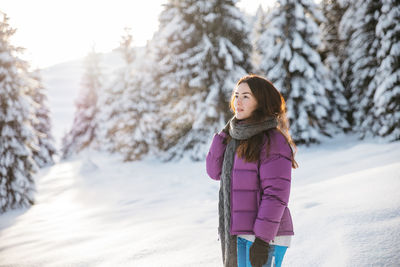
238	131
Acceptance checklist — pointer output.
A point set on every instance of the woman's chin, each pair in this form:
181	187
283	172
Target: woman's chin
240	117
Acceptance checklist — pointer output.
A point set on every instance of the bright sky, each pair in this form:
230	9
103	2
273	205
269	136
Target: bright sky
56	31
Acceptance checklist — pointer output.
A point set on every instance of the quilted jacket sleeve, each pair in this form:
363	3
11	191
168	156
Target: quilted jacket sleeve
215	156
275	179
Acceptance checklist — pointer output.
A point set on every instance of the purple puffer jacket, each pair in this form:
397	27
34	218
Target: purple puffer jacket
259	190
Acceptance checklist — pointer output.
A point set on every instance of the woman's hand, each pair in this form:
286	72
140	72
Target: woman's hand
259	252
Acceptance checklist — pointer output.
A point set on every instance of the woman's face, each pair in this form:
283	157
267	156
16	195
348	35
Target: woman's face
244	101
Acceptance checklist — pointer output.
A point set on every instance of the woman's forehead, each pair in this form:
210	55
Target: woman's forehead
242	88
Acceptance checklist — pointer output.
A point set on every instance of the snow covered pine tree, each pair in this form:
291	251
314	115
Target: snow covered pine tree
83	132
292	63
331	51
41	122
203	48
387	95
361	63
132	118
258	26
17	137
112	114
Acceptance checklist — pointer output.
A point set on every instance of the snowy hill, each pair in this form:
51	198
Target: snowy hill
96	211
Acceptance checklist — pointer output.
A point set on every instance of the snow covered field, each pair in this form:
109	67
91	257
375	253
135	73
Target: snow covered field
96	211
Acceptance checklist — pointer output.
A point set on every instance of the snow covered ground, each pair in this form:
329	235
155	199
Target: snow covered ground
94	210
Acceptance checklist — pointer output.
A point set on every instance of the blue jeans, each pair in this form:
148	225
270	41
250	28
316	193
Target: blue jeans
275	254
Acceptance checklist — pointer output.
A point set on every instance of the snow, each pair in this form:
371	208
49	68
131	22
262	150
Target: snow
94	210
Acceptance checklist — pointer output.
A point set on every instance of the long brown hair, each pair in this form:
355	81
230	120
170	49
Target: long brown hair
270	103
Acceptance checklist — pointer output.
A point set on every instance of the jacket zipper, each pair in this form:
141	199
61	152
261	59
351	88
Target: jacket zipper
231	185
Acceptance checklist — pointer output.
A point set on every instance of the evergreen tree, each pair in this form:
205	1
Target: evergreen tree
331	51
137	137
84	130
292	63
202	48
259	26
346	31
17	137
131	102
387	94
43	155
362	62
333	11
112	101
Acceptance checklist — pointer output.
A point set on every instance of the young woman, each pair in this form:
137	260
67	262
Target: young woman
253	157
